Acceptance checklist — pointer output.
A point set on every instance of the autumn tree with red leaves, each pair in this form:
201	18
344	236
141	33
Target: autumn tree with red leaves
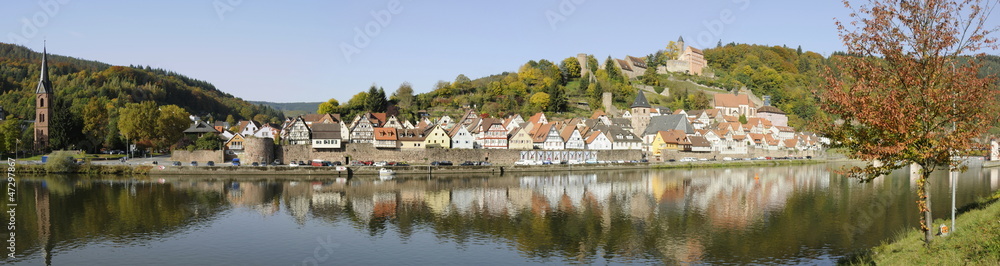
905	93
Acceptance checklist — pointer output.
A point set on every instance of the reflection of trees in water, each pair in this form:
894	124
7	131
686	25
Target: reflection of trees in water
671	217
60	212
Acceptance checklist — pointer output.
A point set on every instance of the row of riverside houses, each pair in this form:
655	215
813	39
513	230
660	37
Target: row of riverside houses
644	127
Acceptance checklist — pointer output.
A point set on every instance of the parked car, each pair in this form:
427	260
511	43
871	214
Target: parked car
177	163
194	163
442	163
255	164
468	163
727	158
210	163
401	164
381	163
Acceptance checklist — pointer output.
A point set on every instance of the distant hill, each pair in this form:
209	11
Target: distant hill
79	82
292	109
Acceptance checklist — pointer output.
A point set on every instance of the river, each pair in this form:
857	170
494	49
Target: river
760	215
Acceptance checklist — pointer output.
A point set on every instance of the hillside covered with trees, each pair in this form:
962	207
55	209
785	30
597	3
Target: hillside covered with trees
787	75
791	77
93	97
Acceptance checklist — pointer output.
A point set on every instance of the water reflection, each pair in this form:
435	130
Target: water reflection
802	214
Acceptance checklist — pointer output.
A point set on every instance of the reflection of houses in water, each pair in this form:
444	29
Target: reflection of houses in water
385	205
363	208
377	205
297	200
476	200
438	202
259	196
733	198
325	199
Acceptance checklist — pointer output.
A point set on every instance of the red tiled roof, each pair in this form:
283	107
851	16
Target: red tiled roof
731	101
385	133
674	136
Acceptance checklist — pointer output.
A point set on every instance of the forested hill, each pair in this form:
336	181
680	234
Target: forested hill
292	109
80	82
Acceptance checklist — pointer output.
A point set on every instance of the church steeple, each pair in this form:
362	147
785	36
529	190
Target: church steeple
44	85
43	105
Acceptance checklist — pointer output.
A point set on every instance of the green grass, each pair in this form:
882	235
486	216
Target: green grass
89	169
691	87
976	242
83	156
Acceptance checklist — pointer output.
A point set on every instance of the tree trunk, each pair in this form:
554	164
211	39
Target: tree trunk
927	223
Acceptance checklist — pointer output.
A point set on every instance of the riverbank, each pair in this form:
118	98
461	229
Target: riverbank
95	169
142	169
976	242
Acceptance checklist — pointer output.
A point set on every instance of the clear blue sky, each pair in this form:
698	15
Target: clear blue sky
291	51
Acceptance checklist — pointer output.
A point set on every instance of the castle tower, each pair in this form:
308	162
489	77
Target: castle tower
680	47
43	105
640	114
582	58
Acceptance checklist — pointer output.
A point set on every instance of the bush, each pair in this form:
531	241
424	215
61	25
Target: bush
658	89
61	162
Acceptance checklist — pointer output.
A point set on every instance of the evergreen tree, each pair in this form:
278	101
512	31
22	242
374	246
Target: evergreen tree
376	100
584	84
65	127
614	73
557	99
381	101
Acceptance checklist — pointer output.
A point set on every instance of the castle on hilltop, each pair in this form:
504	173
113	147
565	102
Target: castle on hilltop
689	60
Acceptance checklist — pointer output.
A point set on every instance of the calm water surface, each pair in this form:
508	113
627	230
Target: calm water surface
775	215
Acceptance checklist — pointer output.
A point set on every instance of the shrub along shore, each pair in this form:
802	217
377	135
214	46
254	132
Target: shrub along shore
975	242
